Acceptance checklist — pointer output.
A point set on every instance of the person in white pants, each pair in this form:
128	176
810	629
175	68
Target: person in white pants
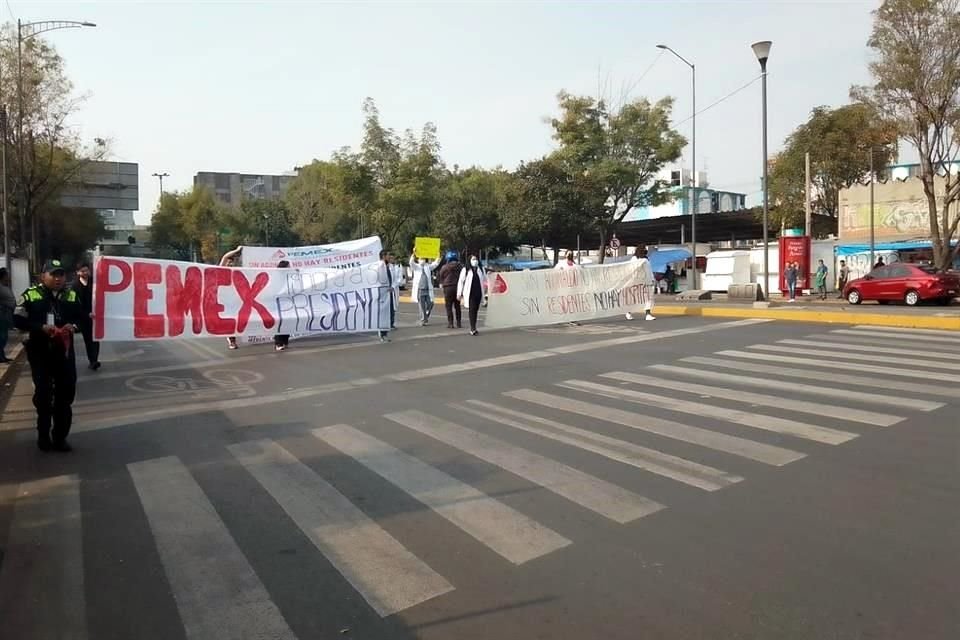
646	282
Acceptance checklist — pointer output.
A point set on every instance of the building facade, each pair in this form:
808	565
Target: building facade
682	182
232	189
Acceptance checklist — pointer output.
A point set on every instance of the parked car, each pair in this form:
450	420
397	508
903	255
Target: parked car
910	283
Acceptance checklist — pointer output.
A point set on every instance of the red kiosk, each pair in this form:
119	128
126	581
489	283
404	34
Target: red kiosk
795	249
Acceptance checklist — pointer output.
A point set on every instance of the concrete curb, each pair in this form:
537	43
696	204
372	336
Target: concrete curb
830	317
14	355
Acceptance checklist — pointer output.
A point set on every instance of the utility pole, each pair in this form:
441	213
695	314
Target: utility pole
806	193
872	239
161	176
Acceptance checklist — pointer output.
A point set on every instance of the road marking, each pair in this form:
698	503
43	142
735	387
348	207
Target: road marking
600	496
657	335
816	408
899	336
846	346
444	370
217	592
662	464
845	366
875	382
901	330
492	523
42	592
950	366
780	402
389	577
765	453
755	420
866	339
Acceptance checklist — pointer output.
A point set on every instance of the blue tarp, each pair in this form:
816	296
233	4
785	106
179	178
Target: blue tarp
902	245
659	259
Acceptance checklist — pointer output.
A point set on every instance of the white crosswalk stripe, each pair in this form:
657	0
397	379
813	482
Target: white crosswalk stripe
836	378
745	418
905	330
43	563
217	593
926	354
894	343
909	337
820	353
800	406
663	464
600	496
389	577
844	366
507	532
767	454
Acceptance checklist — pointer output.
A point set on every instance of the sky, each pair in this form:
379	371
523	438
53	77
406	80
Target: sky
262	87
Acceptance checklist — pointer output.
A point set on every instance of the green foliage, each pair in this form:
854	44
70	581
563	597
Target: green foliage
839	142
614	157
168	233
327	201
68	233
472	204
188	225
255	221
916	74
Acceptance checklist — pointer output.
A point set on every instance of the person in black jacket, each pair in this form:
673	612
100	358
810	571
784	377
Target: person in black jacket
83	285
281	341
449	278
50	316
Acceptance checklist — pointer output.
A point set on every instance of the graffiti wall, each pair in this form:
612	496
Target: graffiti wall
900	212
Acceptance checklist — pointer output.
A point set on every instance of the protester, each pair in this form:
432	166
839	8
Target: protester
50	316
670	279
7	305
398	279
567	263
843	278
229	259
385	278
282	340
422	290
84	288
645	273
821	280
790	277
449	279
470	290
880	263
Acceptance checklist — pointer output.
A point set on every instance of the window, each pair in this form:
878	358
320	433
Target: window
882	272
898	271
221	180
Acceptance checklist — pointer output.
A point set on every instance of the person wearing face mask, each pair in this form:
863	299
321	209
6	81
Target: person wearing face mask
49	314
423	286
470	291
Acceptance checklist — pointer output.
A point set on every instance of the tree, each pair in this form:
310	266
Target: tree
544	204
840	142
615	156
327	199
472	204
67	233
257	220
916	73
49	154
168	233
186	226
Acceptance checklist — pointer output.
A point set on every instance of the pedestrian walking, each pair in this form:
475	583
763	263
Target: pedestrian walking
449	279
423	286
83	285
229	259
8	302
282	340
385	278
398	279
647	282
790	276
821	279
843	277
470	291
567	263
49	314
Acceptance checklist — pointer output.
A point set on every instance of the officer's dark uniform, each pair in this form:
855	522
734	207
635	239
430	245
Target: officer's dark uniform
52	359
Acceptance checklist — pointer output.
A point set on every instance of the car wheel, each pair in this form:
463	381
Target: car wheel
853	297
912	298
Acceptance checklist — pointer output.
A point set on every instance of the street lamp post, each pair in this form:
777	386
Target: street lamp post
266	230
693	162
762	51
25	31
161	176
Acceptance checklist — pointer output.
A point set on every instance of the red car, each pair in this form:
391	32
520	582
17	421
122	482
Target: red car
909	283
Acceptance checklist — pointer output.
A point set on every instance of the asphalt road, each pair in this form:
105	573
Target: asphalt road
682	478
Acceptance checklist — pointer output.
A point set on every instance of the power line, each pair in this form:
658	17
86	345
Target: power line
10	11
724	98
644	74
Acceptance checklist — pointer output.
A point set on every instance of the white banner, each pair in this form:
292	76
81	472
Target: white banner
339	255
139	299
549	296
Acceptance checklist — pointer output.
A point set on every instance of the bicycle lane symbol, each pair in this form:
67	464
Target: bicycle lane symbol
214	383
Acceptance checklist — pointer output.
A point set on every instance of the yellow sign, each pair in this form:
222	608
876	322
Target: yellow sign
428	248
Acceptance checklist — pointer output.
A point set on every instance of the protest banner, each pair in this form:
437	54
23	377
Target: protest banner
140	299
339	255
549	296
428	248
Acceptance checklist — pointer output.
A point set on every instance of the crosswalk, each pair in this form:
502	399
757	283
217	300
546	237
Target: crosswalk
699	423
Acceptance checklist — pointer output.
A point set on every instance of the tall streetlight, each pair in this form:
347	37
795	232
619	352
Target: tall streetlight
25	31
693	162
161	176
762	51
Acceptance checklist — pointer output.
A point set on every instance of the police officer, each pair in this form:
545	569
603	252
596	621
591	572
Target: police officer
50	315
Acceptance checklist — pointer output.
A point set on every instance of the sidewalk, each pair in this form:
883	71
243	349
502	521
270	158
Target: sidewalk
14	347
